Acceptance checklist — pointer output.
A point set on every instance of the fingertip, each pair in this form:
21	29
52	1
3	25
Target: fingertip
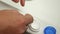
22	2
16	1
28	19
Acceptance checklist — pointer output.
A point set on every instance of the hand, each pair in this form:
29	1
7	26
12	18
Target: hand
22	2
13	22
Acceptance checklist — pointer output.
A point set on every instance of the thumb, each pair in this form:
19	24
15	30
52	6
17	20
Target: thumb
28	19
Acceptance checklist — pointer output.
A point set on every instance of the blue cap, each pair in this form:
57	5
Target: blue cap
49	30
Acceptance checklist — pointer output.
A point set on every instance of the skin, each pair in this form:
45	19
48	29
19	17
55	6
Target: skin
13	22
22	2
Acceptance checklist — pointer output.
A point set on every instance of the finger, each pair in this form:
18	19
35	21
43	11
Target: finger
22	29
15	1
9	10
28	19
22	2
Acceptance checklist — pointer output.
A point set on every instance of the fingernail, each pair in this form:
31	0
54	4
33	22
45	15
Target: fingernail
16	1
22	2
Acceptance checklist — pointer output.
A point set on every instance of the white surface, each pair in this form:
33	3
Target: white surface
47	10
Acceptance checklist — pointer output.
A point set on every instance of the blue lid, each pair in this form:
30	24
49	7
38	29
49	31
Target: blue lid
49	30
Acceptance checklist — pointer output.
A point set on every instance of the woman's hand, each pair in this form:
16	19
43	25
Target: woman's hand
13	22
